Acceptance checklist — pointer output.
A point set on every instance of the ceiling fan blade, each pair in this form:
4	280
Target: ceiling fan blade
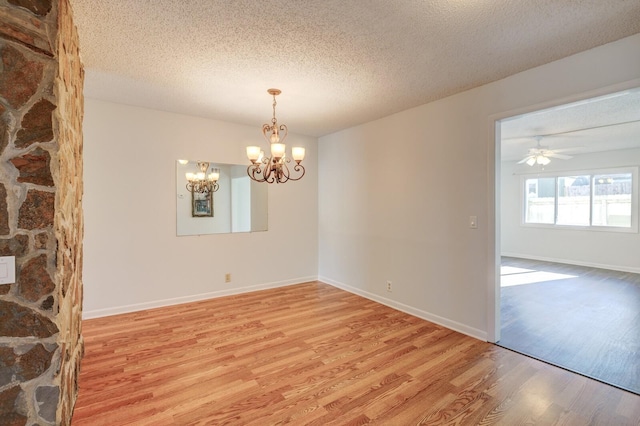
558	156
566	149
525	159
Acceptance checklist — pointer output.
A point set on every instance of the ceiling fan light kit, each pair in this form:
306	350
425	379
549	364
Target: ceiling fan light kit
538	159
542	155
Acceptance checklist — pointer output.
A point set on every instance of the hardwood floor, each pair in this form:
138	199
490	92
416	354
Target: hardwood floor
313	354
583	319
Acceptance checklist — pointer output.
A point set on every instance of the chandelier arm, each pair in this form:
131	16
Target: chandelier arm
283	128
270	173
270	170
266	128
284	172
297	168
253	171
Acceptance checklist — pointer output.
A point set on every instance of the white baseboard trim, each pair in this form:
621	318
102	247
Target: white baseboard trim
453	325
575	262
98	313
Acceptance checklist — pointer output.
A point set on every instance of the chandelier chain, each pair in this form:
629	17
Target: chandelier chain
274	120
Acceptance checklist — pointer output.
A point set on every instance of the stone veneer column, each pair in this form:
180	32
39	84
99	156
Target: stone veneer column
41	108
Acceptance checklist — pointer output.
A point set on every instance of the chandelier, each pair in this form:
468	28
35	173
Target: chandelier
201	182
274	169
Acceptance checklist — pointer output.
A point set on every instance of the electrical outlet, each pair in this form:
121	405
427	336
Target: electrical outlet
389	286
227	278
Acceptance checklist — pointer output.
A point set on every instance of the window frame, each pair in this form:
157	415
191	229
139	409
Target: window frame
635	194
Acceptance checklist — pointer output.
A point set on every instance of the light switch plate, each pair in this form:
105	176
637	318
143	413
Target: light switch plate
7	269
473	222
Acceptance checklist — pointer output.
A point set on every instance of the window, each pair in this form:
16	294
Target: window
612	200
582	199
574	198
540	200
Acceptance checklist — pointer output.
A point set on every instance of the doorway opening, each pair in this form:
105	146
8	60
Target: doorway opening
568	286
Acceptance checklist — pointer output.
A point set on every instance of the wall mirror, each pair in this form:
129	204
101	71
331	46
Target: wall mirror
238	205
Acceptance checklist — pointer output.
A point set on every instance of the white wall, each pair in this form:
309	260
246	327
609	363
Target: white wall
395	195
132	256
605	249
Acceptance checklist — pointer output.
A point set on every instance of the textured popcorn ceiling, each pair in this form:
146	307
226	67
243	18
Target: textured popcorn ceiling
338	63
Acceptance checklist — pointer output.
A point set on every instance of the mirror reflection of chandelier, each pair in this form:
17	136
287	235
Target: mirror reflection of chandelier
202	182
274	169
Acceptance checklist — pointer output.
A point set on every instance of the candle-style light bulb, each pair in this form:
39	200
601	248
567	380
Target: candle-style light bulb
214	175
253	153
277	150
274	136
297	152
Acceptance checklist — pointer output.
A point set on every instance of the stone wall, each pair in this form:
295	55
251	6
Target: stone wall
41	108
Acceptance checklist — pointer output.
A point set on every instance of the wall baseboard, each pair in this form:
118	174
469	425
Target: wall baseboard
574	262
453	325
98	313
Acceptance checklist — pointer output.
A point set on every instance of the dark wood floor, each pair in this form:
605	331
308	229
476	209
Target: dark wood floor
313	354
583	319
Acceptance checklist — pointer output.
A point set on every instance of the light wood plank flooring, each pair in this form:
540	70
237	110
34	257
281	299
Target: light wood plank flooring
580	318
313	354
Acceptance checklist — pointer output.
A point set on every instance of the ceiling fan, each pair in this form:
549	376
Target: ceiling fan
542	154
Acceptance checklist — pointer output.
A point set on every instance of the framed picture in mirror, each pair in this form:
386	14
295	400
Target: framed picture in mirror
201	204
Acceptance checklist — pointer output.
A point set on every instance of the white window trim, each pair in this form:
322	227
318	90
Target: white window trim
635	194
